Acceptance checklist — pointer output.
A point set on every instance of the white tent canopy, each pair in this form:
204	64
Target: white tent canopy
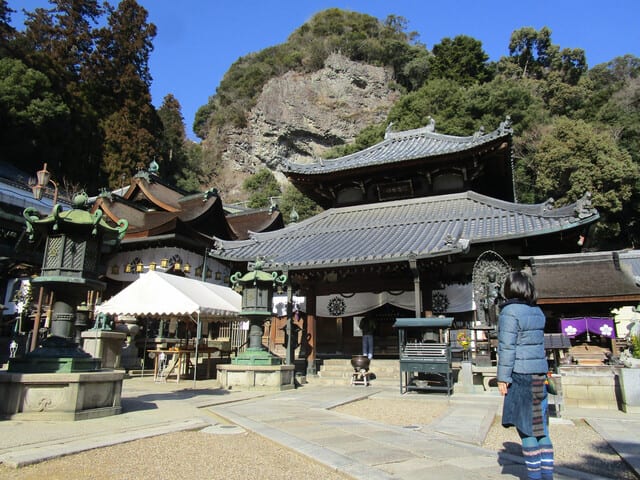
161	294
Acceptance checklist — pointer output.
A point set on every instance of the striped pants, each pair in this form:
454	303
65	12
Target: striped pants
538	456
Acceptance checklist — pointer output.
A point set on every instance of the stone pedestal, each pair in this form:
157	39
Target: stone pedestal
590	386
105	345
630	389
60	396
465	382
256	377
129	359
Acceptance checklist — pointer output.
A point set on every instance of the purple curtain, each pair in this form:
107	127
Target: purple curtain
572	327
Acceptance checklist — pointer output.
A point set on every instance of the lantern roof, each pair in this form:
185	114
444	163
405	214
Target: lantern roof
258	275
74	220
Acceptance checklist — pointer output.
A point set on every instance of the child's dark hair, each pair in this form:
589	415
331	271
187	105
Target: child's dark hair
520	285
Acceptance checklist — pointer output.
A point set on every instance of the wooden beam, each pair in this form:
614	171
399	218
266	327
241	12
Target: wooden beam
609	299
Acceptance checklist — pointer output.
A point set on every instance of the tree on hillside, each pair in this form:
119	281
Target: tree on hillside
571	63
127	147
574	157
173	156
261	187
460	59
7	32
29	110
195	173
64	34
57	42
618	100
293	200
457	110
123	58
532	51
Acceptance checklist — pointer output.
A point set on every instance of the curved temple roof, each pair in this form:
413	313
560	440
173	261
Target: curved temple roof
403	146
396	231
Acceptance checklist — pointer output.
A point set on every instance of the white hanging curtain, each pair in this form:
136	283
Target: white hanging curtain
346	305
459	298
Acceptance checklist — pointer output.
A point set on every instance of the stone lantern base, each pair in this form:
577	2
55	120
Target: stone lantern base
256	377
60	396
256	356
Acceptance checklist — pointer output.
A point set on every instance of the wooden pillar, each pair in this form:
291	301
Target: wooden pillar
413	265
289	327
311	333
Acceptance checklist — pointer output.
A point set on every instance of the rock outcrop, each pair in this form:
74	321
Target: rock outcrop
298	117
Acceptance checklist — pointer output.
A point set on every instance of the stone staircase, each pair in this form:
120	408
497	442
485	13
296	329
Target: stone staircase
338	371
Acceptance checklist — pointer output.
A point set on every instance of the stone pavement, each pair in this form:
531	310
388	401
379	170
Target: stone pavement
301	420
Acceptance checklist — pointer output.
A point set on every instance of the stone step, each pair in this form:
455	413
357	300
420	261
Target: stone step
382	370
335	381
336	371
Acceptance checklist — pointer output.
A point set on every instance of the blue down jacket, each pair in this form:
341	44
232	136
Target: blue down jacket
520	340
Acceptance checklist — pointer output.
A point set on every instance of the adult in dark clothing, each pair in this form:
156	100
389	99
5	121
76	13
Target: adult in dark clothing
522	369
368	327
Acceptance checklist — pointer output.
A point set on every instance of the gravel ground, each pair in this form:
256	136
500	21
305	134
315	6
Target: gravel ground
183	455
198	455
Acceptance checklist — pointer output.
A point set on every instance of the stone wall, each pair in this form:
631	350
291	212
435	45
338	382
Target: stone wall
590	387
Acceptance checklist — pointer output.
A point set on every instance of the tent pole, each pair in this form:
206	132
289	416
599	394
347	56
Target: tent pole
195	363
144	353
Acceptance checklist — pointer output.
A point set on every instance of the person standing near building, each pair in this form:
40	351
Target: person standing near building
368	327
522	370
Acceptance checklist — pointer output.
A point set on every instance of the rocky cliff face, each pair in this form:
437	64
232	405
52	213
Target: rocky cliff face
300	116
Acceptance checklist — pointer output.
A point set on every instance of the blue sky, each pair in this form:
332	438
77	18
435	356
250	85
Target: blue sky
198	40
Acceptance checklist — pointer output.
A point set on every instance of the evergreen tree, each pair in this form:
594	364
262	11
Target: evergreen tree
531	50
261	187
194	174
294	203
123	63
57	42
462	60
174	137
574	157
7	32
29	111
127	147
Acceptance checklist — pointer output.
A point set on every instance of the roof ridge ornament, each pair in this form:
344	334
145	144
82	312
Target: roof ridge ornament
431	126
480	132
154	168
212	192
505	126
387	131
583	207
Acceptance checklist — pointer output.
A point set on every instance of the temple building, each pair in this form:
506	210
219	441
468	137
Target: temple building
170	230
419	224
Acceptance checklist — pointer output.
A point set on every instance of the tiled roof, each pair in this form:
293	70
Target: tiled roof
395	231
404	146
259	220
584	277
